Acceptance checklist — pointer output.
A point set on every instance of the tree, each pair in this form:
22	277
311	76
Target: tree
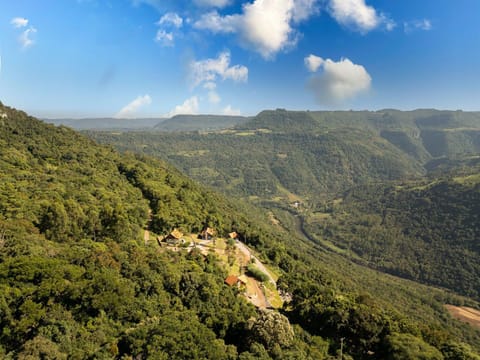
271	329
409	347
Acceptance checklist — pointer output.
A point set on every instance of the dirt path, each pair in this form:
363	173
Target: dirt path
466	314
244	249
255	294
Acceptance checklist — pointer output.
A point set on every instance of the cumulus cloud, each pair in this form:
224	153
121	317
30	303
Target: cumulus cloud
171	19
164	38
189	107
212	3
19	22
130	110
168	23
303	9
210	85
338	81
313	62
266	26
26	37
228	110
359	16
209	70
424	24
213	97
216	23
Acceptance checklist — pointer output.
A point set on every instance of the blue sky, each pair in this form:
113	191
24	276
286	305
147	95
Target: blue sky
152	58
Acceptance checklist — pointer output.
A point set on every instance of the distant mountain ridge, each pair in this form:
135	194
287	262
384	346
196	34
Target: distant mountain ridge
200	122
106	123
175	123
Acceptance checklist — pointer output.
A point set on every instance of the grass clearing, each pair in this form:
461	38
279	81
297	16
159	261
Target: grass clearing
468	180
465	314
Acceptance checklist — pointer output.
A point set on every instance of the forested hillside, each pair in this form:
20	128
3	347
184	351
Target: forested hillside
77	280
269	164
427	230
281	153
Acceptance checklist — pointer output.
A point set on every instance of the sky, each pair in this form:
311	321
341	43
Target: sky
159	58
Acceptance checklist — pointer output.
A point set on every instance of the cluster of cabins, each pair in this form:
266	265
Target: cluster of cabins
176	236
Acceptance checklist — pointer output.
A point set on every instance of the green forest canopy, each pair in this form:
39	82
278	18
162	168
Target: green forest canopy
76	280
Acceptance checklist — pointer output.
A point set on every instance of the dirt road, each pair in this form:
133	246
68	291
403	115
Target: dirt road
244	249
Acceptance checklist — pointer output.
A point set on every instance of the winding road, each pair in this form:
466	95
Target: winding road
244	249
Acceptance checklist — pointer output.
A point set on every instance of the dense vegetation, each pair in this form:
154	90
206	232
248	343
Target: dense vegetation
311	154
274	164
427	231
280	157
77	280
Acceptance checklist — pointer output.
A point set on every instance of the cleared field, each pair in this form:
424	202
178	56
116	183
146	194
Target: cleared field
466	314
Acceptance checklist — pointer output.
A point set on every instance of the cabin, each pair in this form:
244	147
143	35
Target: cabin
233	235
207	234
174	238
231	280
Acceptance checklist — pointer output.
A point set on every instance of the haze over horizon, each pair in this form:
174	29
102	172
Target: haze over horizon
152	58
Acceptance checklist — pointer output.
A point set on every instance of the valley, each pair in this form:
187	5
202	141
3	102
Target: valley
355	176
239	180
82	276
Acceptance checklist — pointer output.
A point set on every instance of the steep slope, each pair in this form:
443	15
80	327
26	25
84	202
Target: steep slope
426	230
285	154
76	280
272	164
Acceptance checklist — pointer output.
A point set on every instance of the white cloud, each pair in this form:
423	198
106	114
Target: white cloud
266	26
171	19
357	15
212	3
410	26
164	38
213	97
130	110
338	81
19	22
231	112
211	69
210	85
189	107
25	38
303	9
313	62
216	23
